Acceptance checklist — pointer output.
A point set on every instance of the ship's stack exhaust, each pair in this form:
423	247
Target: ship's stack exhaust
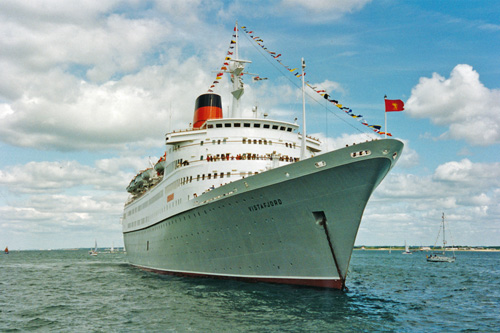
208	106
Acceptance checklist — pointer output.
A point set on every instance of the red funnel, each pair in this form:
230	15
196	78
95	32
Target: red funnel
208	106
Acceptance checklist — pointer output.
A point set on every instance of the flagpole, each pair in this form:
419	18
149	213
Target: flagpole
385	116
303	144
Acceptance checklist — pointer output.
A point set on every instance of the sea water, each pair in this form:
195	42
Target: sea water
72	291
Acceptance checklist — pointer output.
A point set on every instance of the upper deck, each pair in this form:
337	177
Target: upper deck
244	128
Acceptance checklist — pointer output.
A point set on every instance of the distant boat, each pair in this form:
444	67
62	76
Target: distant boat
407	249
6	250
442	257
94	251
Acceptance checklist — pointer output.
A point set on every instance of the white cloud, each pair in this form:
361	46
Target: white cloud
409	204
62	176
321	10
91	89
462	103
469	173
65	198
327	5
93	117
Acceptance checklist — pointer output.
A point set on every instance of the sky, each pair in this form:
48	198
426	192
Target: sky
88	90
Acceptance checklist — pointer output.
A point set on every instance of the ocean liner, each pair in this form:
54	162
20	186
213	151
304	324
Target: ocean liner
251	198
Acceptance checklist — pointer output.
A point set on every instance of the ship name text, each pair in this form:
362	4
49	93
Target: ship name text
267	204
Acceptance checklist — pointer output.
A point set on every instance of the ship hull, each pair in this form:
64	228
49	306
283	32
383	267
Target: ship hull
297	230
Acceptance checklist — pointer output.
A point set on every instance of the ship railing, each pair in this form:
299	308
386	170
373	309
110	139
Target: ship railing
251	157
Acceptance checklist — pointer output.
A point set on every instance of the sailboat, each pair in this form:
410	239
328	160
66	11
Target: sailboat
407	249
442	257
94	251
6	250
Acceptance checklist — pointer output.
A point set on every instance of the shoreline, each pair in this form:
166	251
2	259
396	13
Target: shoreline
426	250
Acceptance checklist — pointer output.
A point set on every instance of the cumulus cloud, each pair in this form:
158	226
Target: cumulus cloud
322	10
462	103
65	198
461	180
412	204
60	176
465	172
110	115
91	89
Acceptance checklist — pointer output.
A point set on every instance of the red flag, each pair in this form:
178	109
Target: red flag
394	105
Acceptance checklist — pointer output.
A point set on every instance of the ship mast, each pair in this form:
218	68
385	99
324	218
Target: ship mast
236	67
444	238
303	145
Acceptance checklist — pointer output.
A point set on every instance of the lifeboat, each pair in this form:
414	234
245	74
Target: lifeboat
134	184
146	175
160	165
142	178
